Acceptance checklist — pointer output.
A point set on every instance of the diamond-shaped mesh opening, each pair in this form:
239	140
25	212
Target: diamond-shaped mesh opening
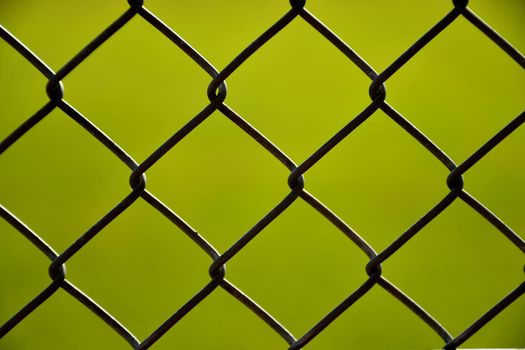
383	190
331	90
217	159
323	261
462	249
141	268
44	183
478	101
155	101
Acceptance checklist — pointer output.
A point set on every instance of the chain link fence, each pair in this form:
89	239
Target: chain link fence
217	94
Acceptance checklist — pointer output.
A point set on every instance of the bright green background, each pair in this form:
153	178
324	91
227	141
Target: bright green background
297	90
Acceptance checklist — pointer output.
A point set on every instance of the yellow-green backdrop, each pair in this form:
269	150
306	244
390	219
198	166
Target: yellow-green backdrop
298	90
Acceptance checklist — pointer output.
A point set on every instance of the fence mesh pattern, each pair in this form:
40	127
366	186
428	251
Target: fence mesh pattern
217	94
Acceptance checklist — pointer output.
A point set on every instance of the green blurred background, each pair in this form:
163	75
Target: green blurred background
297	90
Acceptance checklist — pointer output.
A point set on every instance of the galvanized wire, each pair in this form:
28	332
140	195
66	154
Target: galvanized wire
217	92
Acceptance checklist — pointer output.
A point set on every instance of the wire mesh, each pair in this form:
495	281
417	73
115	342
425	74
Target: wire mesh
217	95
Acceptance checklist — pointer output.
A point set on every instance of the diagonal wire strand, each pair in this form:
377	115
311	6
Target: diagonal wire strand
217	92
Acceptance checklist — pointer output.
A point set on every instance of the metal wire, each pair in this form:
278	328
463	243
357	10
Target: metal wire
217	96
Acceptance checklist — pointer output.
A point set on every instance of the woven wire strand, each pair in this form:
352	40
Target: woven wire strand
217	92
